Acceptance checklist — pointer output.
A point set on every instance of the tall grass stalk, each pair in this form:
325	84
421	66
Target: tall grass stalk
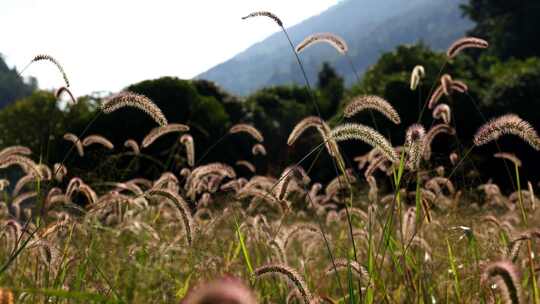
242	244
520	196
314	102
534	285
454	270
386	240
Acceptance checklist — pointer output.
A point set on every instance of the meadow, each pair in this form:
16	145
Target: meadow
392	226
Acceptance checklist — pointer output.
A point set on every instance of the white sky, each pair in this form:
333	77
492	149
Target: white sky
109	44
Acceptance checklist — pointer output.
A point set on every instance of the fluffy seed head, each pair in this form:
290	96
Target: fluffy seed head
63	90
187	141
417	74
297	229
446	83
408	226
28	165
246	164
59	171
515	245
46	57
464	43
265	14
339	183
225	290
182	207
366	134
335	41
76	141
375	164
23	181
532	197
431	134
130	99
97	139
460	86
509	156
377	103
435	97
414	133
195	178
4	183
506	276
447	87
414	141
282	187
21	150
258	149
507	124
343	264
156	133
132	144
443	112
249	129
290	274
299	173
453	158
302	126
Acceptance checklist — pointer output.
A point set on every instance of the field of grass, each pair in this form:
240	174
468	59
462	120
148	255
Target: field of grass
403	231
132	247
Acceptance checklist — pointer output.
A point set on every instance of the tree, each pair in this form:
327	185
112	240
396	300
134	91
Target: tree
233	105
181	102
39	123
275	111
331	90
390	77
513	87
511	27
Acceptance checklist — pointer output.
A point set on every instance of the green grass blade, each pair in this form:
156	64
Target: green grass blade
243	246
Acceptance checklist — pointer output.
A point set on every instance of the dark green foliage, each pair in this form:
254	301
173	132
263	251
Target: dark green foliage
275	111
511	27
38	123
232	104
181	102
331	89
513	87
495	88
390	78
200	105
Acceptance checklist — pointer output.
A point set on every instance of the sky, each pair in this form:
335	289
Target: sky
105	45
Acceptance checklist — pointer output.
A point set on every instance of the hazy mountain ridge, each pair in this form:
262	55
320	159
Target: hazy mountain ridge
370	28
12	86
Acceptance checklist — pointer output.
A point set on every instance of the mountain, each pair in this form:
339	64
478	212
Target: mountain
12	86
370	27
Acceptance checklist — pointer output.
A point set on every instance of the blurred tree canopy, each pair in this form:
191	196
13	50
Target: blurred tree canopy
331	89
511	27
39	122
495	88
390	78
